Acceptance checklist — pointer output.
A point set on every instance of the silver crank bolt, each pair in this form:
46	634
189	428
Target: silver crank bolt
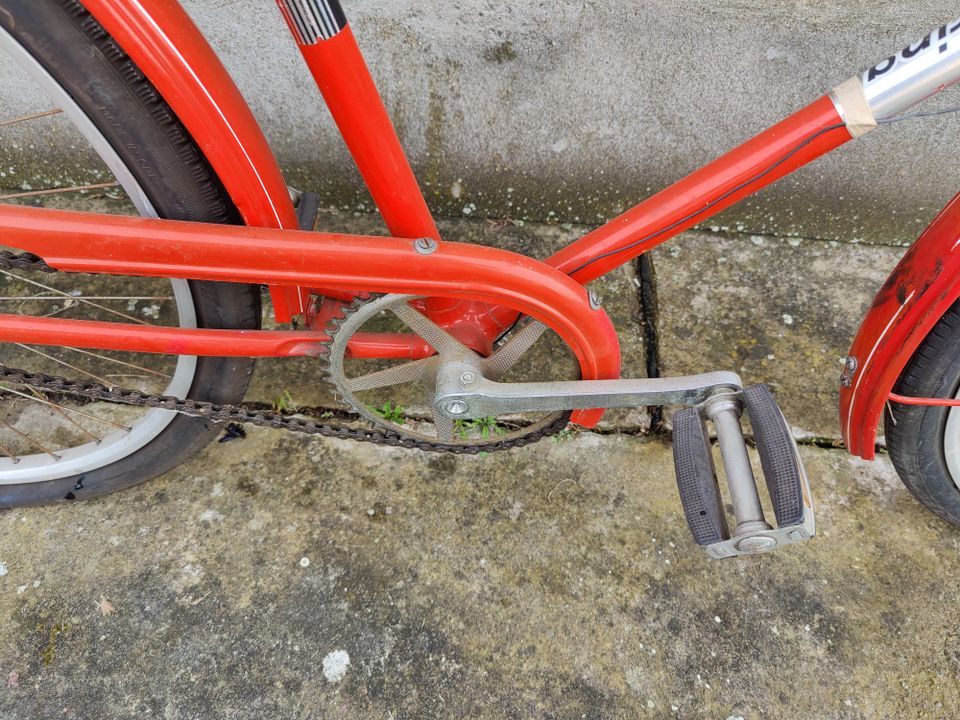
425	245
457	407
468	378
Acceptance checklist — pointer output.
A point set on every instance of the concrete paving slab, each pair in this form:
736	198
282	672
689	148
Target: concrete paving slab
285	576
778	311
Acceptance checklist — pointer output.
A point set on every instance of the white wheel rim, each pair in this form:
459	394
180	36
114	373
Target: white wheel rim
116	446
951	443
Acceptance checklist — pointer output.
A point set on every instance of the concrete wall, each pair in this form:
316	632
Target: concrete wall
573	110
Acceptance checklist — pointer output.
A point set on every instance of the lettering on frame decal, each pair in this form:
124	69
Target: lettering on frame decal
938	41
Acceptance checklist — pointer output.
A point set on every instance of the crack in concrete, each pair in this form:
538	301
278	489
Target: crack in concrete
658	432
735	234
825	443
648	314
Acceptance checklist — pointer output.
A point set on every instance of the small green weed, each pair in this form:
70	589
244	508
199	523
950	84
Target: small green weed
390	412
284	402
50	651
485	426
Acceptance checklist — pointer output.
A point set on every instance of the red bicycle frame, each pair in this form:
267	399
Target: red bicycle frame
475	292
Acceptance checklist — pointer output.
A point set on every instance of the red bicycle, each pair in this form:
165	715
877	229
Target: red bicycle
121	386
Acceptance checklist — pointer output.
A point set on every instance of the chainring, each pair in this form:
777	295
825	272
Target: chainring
478	435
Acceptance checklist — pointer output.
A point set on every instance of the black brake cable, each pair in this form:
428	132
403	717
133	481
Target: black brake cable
919	115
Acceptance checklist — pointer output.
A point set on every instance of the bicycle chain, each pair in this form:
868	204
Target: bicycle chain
23	261
234	413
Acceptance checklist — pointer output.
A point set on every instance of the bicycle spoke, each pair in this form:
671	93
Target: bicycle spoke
31	116
45	298
509	354
119	362
397	375
80	298
63	408
99	379
56	191
29	439
59	409
127	376
439	339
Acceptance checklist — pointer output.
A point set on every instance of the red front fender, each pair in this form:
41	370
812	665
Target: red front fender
921	288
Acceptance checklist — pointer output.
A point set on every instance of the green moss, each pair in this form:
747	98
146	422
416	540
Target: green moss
49	652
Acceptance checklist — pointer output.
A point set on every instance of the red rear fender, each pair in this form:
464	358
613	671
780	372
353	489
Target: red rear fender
170	51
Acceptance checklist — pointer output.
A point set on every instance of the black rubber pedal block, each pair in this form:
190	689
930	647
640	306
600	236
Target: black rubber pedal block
697	478
778	454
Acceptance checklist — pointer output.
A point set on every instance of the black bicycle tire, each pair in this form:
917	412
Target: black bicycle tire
173	173
915	434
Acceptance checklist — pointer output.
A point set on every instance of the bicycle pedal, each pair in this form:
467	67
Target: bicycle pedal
783	472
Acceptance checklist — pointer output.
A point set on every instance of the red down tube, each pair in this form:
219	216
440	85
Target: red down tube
801	138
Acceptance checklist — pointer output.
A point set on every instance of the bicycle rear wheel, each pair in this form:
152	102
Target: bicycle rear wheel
54	449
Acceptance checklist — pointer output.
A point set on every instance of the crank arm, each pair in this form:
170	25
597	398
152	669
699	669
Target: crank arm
463	393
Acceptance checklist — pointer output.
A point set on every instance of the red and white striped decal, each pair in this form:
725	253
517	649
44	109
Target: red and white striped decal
311	21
